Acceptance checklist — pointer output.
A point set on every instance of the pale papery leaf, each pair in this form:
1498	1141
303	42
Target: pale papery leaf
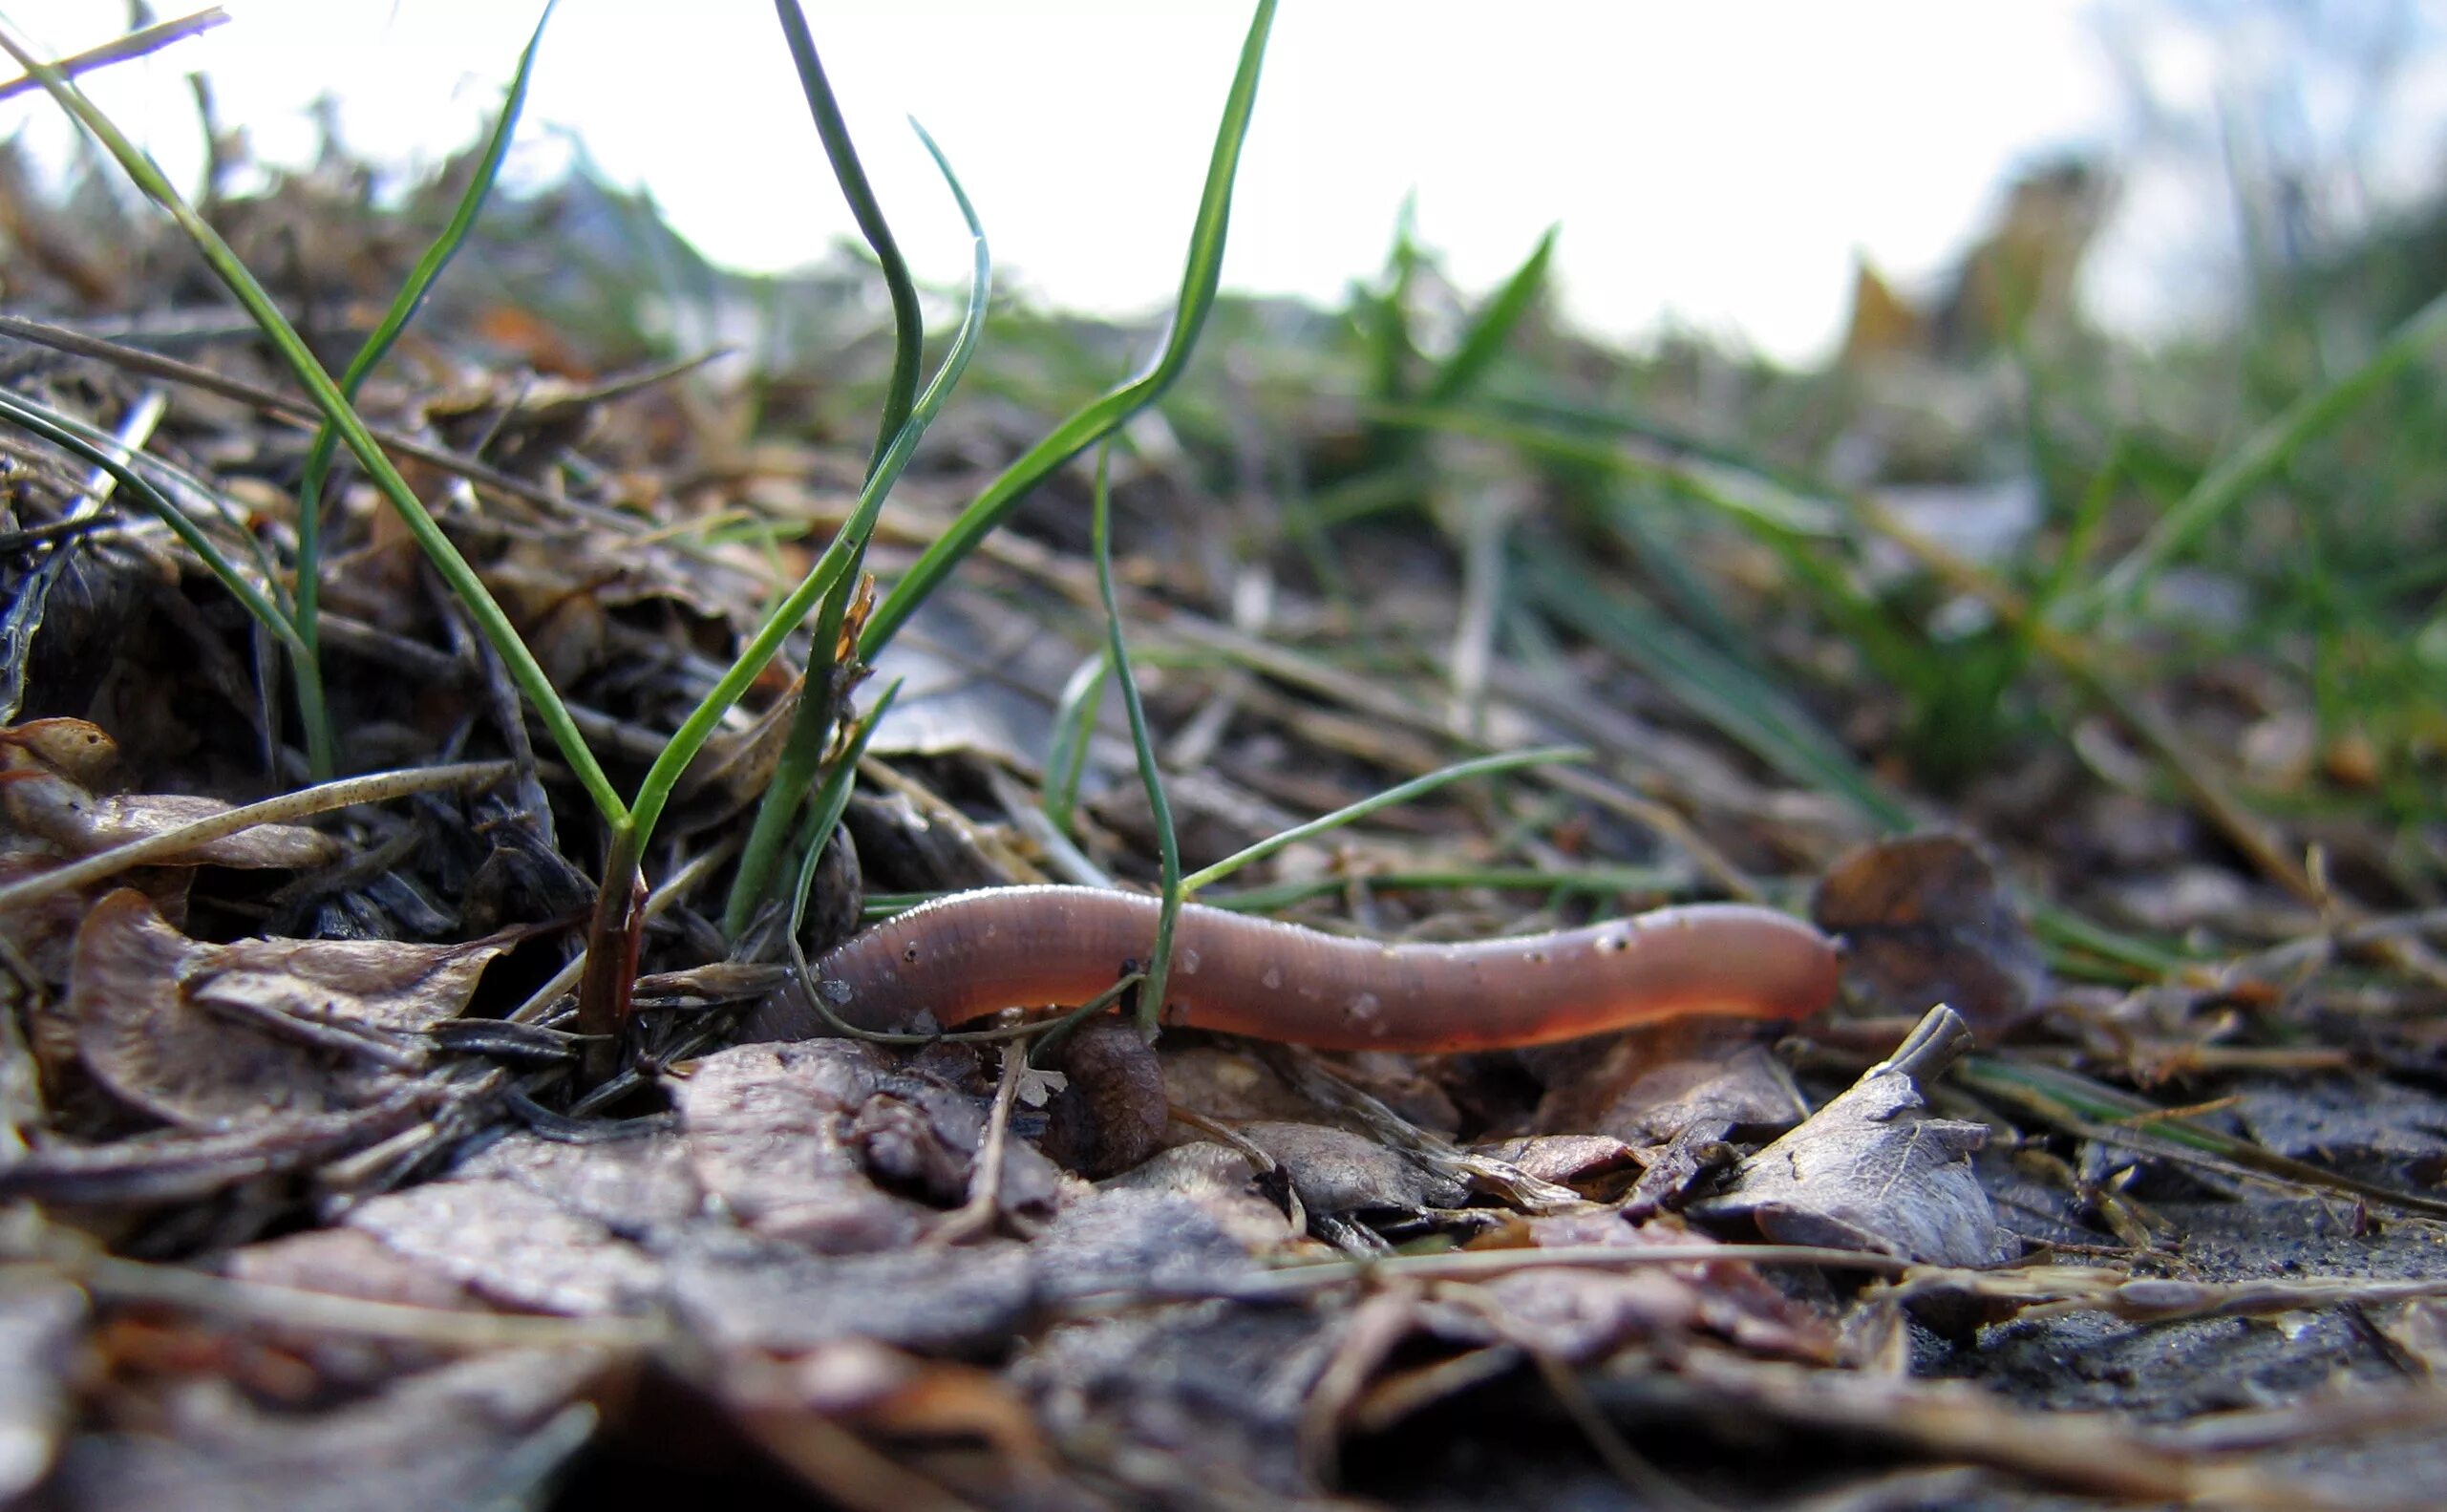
212	1036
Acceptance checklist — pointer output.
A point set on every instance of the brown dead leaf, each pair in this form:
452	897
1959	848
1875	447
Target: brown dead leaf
212	1038
1925	921
75	749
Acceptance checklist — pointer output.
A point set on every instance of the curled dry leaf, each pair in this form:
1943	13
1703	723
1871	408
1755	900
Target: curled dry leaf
75	749
212	1036
1873	1171
1924	922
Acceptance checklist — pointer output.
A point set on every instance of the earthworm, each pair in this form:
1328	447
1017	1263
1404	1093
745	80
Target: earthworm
974	952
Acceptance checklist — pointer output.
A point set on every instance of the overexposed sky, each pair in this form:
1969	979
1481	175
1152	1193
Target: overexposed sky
1712	164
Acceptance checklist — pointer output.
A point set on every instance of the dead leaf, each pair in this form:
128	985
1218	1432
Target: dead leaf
1924	922
769	1134
513	1247
1873	1171
1336	1171
75	749
473	1432
211	1036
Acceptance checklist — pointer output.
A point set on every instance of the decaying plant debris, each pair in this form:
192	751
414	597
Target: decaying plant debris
317	1196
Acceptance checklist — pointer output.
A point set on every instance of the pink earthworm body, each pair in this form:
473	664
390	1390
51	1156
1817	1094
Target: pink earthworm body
976	952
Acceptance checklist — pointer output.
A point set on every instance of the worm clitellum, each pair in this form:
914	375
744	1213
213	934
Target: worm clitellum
975	952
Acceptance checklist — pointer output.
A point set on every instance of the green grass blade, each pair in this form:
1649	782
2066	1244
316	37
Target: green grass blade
1747	496
1385	315
908	327
1151	992
1403	792
31	419
1075	724
2267	451
1584	882
1103	415
656	790
832	801
403	309
1484	341
1722	692
820	698
461	577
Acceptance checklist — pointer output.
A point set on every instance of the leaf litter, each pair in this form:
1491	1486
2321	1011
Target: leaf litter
301	1175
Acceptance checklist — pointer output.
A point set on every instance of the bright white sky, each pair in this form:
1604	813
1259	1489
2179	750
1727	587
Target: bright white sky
1712	164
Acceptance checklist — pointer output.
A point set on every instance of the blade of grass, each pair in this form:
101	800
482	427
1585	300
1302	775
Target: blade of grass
1151	991
1386	314
120	50
1401	793
1717	689
908	327
821	696
1748	496
2081	1106
1600	881
321	743
1101	416
257	602
1074	725
656	790
461	577
832	801
2265	452
612	932
1484	341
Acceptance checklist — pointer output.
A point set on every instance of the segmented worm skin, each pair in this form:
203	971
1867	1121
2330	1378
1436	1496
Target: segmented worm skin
976	952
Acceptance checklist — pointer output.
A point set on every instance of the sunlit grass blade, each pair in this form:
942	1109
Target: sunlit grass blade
120	50
320	743
654	792
1493	324
1401	793
1151	992
1722	692
461	577
2268	449
832	668
1102	416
